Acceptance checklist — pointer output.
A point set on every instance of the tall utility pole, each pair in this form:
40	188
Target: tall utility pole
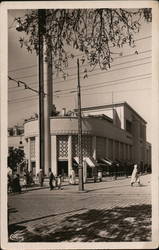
48	105
41	27
80	156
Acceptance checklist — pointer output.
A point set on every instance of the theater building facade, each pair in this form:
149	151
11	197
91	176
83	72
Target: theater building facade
114	131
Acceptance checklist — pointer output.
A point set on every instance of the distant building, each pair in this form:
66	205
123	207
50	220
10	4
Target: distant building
115	131
16	140
16	137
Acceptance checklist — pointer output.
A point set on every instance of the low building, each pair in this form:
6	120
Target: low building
113	131
16	140
16	137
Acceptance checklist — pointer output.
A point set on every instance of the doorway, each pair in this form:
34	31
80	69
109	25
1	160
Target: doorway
62	168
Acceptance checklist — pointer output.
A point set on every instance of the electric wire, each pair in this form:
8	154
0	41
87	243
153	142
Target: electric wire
105	71
133	54
19	82
70	94
63	81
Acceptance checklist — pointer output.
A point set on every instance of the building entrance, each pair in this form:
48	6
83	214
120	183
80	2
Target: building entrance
62	168
33	168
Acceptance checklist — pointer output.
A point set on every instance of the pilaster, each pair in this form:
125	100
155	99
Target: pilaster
54	154
29	155
94	150
37	155
70	163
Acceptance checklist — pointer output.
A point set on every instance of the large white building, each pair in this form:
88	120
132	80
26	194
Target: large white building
113	131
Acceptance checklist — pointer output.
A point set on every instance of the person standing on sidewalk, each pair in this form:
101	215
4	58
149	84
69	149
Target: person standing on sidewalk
41	177
135	177
51	177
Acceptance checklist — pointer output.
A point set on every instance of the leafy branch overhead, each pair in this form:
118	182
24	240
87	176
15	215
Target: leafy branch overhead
94	32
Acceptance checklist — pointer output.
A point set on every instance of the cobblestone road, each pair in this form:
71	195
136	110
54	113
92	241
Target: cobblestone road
100	214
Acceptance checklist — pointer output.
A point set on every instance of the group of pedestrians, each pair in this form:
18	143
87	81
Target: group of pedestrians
14	183
54	181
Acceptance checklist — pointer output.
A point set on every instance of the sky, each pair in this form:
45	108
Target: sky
129	79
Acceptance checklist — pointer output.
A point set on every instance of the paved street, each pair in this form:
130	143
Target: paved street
108	211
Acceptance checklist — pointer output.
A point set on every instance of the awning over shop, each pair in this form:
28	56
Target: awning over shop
103	160
90	161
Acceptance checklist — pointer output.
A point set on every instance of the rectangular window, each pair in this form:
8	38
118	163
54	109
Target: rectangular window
32	147
110	149
128	126
101	147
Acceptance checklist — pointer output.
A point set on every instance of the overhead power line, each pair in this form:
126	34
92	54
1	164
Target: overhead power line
69	95
71	67
98	87
23	68
26	86
91	74
95	86
106	92
105	83
28	100
106	72
114	65
32	83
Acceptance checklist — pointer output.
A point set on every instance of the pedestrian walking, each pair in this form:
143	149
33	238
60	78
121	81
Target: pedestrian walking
31	181
51	178
25	179
135	177
16	183
41	177
59	182
9	183
72	178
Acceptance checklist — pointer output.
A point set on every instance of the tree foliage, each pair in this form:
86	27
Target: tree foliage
15	157
94	32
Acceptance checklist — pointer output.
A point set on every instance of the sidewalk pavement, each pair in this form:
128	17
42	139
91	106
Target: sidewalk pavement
107	211
88	186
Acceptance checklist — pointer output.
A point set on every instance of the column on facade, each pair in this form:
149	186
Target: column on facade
94	148
106	147
124	151
113	150
70	163
54	154
136	141
128	152
130	148
37	155
29	155
119	151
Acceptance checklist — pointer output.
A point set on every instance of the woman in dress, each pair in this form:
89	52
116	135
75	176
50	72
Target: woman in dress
135	177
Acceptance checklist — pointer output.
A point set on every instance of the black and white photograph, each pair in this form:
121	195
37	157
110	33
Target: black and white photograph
79	167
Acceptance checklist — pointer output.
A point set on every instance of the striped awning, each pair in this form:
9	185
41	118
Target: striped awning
90	161
106	161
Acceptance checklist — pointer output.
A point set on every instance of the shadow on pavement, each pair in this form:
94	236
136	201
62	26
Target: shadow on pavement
11	226
129	224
